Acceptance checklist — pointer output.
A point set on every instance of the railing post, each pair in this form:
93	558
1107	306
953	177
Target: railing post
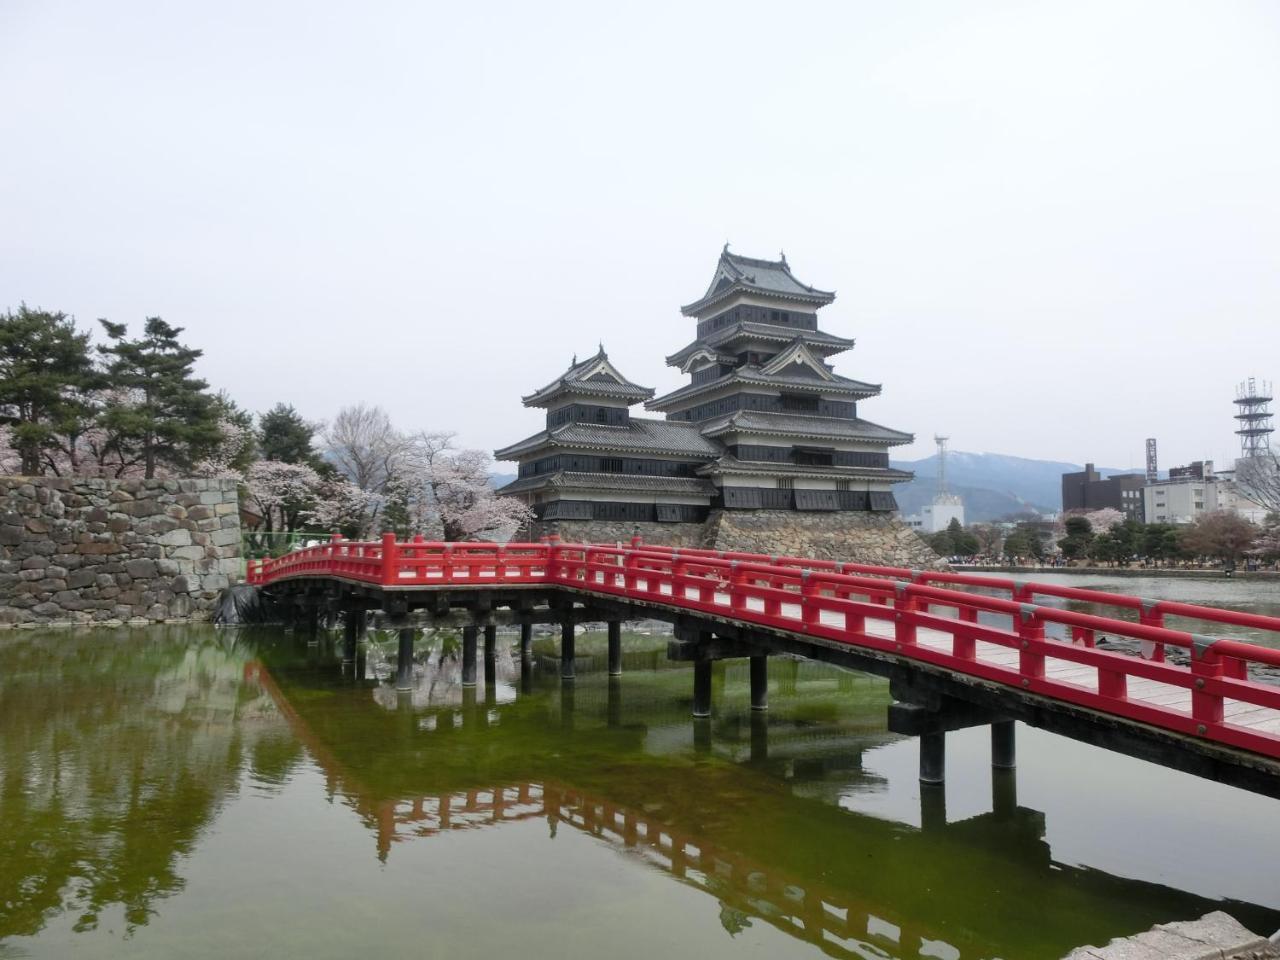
1205	707
390	559
1030	631
1151	616
904	631
810	613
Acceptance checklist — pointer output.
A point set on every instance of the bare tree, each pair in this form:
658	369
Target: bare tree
1258	480
364	446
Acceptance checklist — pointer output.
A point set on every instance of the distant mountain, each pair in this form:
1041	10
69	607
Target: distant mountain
990	484
500	480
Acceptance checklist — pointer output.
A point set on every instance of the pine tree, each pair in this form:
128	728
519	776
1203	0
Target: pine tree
167	416
285	436
46	374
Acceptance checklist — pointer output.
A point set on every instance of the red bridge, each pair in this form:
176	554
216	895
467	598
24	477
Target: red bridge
959	649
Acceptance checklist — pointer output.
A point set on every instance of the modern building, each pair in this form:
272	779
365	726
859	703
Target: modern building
1189	493
764	423
945	507
1087	489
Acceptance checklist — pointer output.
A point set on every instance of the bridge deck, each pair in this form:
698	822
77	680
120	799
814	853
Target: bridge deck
988	631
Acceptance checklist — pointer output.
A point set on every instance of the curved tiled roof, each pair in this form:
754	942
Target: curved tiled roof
770	277
641	435
752	375
827	343
595	377
573	480
803	425
731	464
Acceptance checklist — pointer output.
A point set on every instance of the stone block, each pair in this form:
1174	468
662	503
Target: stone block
168	568
187	553
10	535
186	583
202	512
175	538
141	569
83	578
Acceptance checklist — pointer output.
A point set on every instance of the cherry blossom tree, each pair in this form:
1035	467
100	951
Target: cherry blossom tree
1101	521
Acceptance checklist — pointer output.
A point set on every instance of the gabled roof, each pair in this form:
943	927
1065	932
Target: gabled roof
641	435
797	360
799	425
595	377
754	376
820	343
746	274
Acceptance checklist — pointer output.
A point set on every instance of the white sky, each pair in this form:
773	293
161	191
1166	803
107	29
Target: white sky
1054	228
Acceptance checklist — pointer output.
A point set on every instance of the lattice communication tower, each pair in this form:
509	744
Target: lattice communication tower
1253	399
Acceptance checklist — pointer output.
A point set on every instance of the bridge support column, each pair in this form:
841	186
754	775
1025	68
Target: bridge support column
614	703
490	660
1003	754
759	736
469	655
760	683
526	641
615	648
404	659
933	757
566	650
702	688
312	622
350	636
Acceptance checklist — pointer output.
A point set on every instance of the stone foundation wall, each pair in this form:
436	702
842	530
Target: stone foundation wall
84	550
854	537
605	531
851	536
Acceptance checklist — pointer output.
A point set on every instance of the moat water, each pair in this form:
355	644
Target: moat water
189	792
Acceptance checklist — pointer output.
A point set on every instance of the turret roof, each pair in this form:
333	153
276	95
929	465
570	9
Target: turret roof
596	377
735	273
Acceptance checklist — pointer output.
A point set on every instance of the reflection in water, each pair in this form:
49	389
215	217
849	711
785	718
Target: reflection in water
123	756
115	752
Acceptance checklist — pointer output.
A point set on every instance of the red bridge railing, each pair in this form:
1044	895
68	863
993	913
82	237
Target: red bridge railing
933	617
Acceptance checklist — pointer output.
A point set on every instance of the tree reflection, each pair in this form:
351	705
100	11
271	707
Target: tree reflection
116	751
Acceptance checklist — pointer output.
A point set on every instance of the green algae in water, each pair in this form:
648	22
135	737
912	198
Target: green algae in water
178	791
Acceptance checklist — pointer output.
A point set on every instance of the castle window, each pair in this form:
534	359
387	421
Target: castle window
786	483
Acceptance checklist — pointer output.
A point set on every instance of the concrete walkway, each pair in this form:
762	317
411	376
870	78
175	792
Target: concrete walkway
1215	936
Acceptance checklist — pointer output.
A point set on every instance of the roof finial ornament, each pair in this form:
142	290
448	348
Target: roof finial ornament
574	362
726	248
782	254
601	342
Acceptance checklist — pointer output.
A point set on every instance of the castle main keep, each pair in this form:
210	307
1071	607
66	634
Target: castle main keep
762	450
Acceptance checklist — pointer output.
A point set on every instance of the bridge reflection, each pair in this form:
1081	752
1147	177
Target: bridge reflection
742	808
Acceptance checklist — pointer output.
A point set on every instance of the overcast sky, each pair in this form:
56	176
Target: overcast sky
1053	228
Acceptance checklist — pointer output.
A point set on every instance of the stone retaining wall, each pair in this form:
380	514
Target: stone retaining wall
851	536
87	550
854	537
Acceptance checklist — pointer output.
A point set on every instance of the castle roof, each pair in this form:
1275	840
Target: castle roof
817	340
594	377
640	435
801	425
752	375
570	480
729	464
737	274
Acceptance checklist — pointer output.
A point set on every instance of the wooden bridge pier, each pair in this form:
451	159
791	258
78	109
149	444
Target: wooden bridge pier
469	632
404	658
615	648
